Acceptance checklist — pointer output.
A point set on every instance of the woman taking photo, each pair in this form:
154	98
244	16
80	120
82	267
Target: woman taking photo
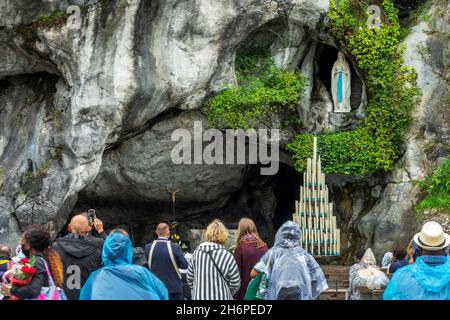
249	249
213	273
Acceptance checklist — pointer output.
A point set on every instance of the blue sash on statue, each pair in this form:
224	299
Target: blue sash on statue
340	81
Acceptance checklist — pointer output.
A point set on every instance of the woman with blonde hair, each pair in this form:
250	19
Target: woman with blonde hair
213	273
249	250
410	252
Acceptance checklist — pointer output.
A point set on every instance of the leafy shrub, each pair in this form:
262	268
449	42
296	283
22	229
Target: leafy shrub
263	91
437	187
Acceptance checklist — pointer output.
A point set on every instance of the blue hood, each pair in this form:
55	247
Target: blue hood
117	250
431	277
119	279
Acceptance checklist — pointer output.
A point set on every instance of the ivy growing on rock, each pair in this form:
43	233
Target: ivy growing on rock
392	94
437	188
263	91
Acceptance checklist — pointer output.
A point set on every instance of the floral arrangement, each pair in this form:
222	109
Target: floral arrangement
23	271
20	273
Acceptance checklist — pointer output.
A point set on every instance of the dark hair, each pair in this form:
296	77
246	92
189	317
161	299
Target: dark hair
40	239
359	254
399	253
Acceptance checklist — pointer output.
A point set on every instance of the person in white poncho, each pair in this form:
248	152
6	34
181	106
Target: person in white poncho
369	276
292	273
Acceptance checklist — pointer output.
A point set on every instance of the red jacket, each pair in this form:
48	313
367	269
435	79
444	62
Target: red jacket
247	254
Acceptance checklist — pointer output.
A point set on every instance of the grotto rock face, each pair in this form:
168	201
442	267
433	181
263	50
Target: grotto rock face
393	220
129	63
86	115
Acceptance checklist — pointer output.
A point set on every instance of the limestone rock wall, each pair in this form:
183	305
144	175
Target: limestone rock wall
86	115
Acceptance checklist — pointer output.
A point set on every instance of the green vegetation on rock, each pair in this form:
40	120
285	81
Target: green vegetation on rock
263	90
29	31
391	88
41	172
437	187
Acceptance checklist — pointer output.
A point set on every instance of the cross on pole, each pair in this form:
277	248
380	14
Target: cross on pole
173	196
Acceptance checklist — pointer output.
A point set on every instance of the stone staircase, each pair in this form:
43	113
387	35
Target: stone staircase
337	279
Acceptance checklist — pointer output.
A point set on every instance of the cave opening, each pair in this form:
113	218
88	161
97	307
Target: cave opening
327	57
287	192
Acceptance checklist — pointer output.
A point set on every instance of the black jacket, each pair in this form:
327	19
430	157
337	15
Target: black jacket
139	257
80	257
98	241
39	280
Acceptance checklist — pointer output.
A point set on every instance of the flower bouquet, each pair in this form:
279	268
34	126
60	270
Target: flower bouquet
176	238
21	273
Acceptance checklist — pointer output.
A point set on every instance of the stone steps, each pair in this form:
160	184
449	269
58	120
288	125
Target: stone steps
338	282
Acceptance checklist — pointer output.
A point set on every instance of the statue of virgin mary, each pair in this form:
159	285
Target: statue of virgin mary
340	84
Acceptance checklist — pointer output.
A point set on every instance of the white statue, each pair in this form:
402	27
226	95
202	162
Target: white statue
340	84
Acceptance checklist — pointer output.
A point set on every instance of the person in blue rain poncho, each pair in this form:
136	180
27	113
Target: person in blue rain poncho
428	278
119	279
292	273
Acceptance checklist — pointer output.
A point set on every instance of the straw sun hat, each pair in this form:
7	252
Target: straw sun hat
432	237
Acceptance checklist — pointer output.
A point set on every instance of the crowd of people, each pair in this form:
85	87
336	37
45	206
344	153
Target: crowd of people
419	272
80	266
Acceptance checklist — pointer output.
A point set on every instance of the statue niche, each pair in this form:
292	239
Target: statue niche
341	84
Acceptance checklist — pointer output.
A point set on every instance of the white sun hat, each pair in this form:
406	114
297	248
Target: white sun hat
432	237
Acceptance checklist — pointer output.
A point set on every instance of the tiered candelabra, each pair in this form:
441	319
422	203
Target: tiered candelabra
314	214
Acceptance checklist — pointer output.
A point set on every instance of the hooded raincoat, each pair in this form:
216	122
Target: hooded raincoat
427	279
119	279
293	273
369	276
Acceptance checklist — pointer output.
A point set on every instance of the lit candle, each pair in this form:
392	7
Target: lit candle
304	179
319	236
308	172
339	241
304	216
334	243
319	172
306	241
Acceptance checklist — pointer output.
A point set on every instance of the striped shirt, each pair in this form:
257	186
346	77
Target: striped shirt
204	278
